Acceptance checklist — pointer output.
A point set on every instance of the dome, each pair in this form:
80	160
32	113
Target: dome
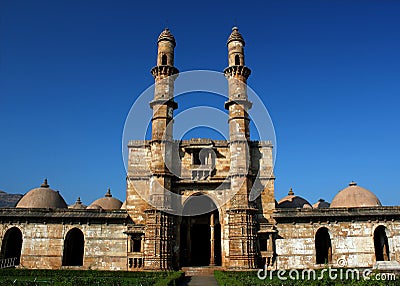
42	197
78	205
235	36
106	203
123	207
355	196
321	204
292	201
166	36
94	207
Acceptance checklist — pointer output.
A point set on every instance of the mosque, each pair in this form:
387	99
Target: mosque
145	233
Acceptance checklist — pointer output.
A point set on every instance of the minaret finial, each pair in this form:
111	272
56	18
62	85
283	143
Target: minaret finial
78	201
108	194
44	184
291	193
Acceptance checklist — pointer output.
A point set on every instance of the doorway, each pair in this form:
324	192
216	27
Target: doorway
12	245
200	239
323	246
381	244
73	248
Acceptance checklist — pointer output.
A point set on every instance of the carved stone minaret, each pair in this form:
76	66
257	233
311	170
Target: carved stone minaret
158	231
242	232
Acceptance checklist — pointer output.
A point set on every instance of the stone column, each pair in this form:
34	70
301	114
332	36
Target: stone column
212	241
129	243
188	241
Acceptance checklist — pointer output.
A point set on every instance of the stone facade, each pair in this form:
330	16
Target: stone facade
352	234
187	203
44	233
206	180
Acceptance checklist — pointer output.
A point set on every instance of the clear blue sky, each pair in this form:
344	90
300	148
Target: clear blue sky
328	71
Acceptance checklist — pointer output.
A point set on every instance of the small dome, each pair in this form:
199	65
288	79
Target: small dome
78	205
235	36
42	197
355	196
166	36
123	207
106	203
321	204
292	201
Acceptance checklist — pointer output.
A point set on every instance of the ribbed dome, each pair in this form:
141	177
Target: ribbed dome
321	204
235	36
292	201
355	196
78	205
167	36
106	203
42	197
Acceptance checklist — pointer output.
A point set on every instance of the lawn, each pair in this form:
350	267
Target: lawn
22	277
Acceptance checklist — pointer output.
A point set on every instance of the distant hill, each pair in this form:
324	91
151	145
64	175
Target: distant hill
8	200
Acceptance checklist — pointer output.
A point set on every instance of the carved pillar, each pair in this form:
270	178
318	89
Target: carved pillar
212	240
188	241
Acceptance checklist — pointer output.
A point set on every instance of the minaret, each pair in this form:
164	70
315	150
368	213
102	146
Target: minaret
164	75
163	106
242	232
158	231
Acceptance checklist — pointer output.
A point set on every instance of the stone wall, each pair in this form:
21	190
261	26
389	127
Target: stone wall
352	236
105	244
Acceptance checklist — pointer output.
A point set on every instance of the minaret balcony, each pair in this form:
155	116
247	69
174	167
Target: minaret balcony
237	70
162	70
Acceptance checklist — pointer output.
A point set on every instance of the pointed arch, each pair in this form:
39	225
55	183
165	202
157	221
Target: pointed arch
12	245
323	246
381	244
73	248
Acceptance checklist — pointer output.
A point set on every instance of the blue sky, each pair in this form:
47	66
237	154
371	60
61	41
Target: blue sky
328	72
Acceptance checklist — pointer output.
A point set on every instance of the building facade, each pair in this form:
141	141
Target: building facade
187	203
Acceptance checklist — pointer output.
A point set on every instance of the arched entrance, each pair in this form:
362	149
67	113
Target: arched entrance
381	244
12	245
323	246
200	239
73	248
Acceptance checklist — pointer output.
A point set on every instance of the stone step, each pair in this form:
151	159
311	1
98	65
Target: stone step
200	271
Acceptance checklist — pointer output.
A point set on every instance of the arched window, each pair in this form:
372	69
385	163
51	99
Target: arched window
73	248
12	245
164	60
381	244
237	60
323	246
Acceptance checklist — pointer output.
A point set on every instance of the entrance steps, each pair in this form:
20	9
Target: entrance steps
200	270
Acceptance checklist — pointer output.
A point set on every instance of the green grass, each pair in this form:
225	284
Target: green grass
250	278
24	277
